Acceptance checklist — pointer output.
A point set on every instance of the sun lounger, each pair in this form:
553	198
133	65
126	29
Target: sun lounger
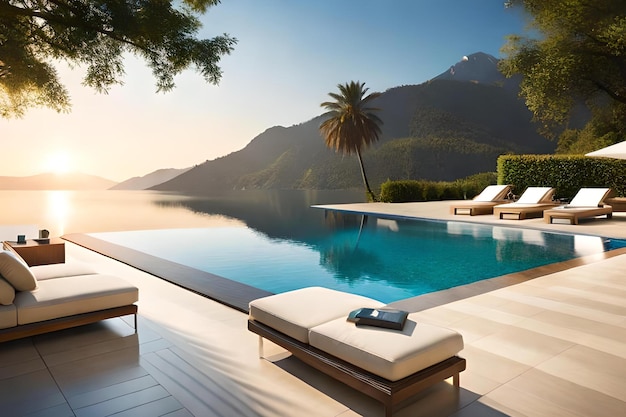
483	203
531	204
618	203
390	366
587	203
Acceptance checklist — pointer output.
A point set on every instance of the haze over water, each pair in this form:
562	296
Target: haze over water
64	212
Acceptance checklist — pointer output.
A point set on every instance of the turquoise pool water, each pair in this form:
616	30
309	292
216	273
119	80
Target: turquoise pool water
385	259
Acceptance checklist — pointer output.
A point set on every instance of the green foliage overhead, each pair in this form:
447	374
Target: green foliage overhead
606	128
96	34
579	54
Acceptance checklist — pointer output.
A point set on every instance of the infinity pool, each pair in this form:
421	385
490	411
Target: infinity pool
385	259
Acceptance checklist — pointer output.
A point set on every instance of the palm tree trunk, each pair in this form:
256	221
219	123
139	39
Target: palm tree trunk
367	184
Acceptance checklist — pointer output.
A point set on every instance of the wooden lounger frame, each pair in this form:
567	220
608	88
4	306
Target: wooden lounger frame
474	208
618	203
390	393
574	214
533	211
33	329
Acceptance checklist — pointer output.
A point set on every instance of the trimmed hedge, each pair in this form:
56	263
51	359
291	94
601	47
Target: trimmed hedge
420	190
566	173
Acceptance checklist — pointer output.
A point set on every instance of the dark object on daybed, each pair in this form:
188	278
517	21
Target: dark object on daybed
390	366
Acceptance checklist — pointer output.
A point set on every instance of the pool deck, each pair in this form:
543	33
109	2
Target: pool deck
552	345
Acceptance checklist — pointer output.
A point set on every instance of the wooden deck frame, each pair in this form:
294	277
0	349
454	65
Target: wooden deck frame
389	393
33	329
574	214
519	212
474	208
618	203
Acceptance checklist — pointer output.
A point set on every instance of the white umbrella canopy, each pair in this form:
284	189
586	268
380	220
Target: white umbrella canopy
617	151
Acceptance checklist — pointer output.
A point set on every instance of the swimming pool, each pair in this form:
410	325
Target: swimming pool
382	258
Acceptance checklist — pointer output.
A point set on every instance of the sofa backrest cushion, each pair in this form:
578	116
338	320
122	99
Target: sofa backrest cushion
16	272
67	269
7	293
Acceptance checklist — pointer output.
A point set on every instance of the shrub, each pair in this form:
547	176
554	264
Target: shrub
420	190
566	173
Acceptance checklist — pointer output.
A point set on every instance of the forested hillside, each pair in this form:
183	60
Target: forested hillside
447	128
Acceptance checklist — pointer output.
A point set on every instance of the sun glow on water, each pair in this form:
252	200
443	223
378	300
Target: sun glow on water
59	210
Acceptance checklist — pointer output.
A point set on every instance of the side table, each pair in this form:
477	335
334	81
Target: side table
38	253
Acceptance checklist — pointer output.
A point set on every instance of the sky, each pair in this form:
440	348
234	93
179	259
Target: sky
290	54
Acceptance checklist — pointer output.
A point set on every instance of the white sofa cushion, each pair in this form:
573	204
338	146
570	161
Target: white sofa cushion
8	316
16	272
391	354
67	296
7	292
68	269
295	312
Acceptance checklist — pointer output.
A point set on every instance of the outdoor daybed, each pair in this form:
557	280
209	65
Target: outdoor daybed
483	203
588	202
390	366
532	203
41	299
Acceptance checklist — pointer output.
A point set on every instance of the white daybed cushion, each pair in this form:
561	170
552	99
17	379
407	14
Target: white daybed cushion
295	312
68	269
391	354
7	293
8	317
67	296
16	272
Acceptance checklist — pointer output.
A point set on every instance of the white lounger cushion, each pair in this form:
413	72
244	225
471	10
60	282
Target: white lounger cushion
391	354
295	312
534	195
589	197
492	193
8	316
67	296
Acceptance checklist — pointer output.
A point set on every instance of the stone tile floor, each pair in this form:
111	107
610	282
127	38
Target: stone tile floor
552	345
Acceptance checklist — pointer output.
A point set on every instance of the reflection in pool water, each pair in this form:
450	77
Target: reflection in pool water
382	258
276	241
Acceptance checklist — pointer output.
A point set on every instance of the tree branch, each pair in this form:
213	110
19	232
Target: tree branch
614	95
49	17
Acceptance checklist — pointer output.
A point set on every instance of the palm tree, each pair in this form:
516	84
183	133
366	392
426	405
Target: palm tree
352	124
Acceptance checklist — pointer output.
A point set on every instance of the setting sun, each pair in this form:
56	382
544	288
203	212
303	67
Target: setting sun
58	162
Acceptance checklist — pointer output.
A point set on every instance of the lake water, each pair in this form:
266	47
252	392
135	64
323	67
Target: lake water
275	241
275	213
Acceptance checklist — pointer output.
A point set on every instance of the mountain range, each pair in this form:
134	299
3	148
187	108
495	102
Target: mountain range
449	127
80	181
52	181
452	126
150	180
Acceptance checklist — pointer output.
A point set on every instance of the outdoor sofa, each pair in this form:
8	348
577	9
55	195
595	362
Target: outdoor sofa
41	299
531	204
483	203
390	366
587	203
